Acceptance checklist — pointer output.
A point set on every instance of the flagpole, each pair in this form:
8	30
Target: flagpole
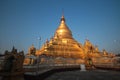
39	39
39	43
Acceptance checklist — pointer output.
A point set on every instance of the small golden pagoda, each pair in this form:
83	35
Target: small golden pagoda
62	44
32	50
90	50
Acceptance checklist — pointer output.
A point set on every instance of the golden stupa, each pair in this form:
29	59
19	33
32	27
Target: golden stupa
63	48
63	44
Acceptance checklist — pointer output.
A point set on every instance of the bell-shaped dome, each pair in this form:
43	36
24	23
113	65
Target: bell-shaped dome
63	31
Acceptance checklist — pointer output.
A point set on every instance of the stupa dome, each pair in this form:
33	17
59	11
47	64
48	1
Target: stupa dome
63	31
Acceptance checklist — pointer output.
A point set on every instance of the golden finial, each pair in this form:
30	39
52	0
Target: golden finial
62	18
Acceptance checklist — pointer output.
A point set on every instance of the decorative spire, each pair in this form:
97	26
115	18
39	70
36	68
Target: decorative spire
62	18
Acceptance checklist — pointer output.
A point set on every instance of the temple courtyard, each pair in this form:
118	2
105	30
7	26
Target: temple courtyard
78	75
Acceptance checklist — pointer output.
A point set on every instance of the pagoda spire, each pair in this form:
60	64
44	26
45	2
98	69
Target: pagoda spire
62	18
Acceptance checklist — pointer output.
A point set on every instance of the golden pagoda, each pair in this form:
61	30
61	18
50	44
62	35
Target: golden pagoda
63	48
62	44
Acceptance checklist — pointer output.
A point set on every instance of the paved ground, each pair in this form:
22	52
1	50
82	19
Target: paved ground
74	74
85	75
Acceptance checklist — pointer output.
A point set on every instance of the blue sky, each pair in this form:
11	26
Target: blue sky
22	22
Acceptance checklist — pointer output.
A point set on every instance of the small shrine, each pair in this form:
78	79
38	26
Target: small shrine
12	65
